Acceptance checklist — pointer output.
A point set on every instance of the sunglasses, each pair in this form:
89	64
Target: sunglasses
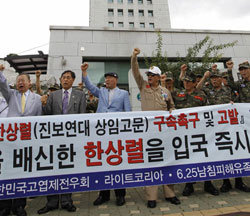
151	74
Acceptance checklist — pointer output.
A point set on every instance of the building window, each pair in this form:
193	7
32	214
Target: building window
149	2
120	12
110	1
111	24
142	25
131	25
130	1
151	25
130	13
150	13
111	12
141	13
140	1
120	1
120	24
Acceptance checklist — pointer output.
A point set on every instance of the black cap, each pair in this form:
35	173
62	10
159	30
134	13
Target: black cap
113	74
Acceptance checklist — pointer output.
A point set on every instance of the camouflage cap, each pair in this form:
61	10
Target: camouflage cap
198	70
244	65
54	86
190	77
169	75
199	75
216	73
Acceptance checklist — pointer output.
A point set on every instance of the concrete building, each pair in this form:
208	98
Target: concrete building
110	48
143	14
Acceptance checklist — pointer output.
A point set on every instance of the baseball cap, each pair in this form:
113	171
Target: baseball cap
169	75
216	73
244	65
154	70
190	77
113	74
54	86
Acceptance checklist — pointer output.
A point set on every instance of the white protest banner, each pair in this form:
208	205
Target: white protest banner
83	152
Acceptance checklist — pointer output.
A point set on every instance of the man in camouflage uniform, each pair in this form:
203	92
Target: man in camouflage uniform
167	81
234	93
189	97
241	86
192	97
243	89
153	97
217	93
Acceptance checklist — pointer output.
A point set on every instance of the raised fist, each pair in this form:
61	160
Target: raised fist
214	67
136	51
44	99
163	77
38	73
84	66
2	67
229	64
207	74
184	67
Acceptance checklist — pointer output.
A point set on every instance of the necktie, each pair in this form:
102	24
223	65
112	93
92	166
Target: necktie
23	102
65	102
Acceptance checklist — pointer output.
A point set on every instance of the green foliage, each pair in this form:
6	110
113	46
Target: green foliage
208	54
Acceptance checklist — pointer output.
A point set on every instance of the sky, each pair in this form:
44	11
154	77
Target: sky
25	23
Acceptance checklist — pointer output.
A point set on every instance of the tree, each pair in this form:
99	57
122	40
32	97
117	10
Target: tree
210	55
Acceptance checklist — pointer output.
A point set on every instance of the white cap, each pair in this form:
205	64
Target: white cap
154	70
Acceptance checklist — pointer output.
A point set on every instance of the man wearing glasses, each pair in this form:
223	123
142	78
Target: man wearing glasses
153	97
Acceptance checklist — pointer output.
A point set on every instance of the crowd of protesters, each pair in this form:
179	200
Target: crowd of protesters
158	92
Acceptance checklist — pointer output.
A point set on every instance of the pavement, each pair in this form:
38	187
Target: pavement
200	203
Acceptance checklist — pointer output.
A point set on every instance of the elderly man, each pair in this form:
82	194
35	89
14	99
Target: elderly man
153	97
111	99
22	102
62	102
242	87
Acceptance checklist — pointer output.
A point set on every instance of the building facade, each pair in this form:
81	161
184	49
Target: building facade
132	14
110	50
116	28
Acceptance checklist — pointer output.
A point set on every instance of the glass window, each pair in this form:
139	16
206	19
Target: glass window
130	1
142	25
120	12
149	1
111	12
150	13
130	12
111	24
141	13
120	24
120	1
110	1
140	1
97	69
131	25
151	25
